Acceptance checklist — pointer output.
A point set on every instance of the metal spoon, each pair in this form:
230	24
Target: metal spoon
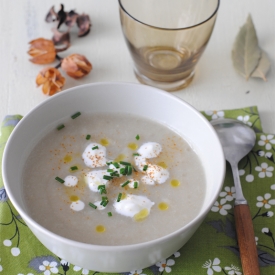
238	140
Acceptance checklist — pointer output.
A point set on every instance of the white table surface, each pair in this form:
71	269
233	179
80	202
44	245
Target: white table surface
216	84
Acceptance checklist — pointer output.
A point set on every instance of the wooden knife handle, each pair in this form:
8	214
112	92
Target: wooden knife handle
246	240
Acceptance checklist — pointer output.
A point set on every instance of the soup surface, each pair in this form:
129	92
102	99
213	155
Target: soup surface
113	179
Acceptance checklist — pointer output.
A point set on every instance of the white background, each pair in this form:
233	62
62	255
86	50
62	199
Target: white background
216	85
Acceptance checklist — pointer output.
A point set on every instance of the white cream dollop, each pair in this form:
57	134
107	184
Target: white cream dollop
150	150
132	183
132	205
95	178
147	180
140	162
99	206
157	173
94	157
77	205
154	173
70	181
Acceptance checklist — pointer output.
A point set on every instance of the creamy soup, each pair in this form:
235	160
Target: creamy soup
113	179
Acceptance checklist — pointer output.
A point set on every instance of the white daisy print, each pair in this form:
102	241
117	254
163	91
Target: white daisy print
264	170
245	119
256	240
165	265
15	251
229	193
241	172
215	114
233	270
269	214
7	242
267	155
267	141
265	201
136	272
84	271
212	266
267	232
64	262
249	178
221	207
177	254
48	267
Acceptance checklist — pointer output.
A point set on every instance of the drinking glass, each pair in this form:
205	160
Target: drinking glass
166	38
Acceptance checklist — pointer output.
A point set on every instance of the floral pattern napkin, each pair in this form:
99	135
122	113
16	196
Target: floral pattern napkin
212	250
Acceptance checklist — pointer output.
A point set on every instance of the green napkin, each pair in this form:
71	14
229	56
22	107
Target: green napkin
213	249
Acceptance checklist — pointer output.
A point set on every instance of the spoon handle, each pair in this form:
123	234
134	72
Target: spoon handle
246	240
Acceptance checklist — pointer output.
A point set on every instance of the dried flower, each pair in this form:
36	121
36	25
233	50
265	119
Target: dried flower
60	16
61	38
76	65
51	79
51	15
70	18
84	24
42	50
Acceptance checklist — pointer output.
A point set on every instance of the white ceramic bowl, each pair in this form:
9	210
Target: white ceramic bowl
115	97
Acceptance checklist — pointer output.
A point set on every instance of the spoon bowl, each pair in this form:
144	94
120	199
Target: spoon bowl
236	138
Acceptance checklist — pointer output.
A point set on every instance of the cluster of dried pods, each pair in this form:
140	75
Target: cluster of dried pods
45	51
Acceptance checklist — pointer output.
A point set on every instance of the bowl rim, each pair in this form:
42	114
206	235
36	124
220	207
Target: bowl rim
29	220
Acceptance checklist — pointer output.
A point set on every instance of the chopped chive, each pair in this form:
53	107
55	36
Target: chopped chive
129	172
136	154
108	163
59	179
122	171
134	169
137	137
61	126
126	170
104	201
110	170
95	147
110	214
116	165
135	184
125	163
75	115
73	168
114	174
102	189
107	177
92	205
145	167
125	183
119	197
88	137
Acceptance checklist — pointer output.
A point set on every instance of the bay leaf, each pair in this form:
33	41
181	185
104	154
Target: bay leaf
263	67
246	52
